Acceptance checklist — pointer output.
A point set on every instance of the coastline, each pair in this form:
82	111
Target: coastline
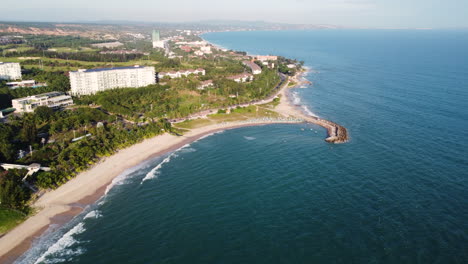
71	198
63	204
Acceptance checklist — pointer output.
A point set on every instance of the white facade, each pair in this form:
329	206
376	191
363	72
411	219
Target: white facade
182	73
159	44
85	82
206	49
10	71
52	100
241	78
253	66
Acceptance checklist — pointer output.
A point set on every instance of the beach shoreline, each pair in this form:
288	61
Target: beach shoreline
59	206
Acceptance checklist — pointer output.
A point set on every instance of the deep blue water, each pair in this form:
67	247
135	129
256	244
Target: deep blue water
396	193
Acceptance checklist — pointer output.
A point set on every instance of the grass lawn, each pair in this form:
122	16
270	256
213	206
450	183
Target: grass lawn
241	114
9	219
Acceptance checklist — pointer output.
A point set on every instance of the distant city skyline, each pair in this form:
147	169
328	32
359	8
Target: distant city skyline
349	13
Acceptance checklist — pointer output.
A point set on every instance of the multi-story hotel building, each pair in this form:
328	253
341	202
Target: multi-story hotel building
10	71
53	100
84	82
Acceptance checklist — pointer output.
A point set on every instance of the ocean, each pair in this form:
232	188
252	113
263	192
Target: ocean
396	193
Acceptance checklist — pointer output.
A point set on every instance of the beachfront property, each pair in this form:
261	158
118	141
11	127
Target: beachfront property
205	84
253	66
157	42
25	83
241	78
85	82
266	58
10	71
53	100
182	73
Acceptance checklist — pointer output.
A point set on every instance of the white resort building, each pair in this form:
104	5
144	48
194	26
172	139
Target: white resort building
10	71
182	73
85	82
25	83
241	78
253	66
53	100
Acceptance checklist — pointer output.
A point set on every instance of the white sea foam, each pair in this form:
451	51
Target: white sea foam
308	112
297	101
249	138
93	214
187	150
155	171
209	135
123	177
296	98
60	251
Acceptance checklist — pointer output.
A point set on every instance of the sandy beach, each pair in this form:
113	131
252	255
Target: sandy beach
61	205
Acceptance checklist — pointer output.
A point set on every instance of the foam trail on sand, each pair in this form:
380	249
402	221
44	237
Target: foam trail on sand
59	250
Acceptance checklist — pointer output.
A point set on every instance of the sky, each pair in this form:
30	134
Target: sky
350	13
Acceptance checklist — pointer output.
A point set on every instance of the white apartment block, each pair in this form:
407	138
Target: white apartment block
85	82
53	100
10	71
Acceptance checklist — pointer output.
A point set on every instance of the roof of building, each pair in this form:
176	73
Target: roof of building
111	69
48	95
252	65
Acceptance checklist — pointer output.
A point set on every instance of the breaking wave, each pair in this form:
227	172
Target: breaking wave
155	171
297	102
308	112
61	251
209	135
93	215
249	138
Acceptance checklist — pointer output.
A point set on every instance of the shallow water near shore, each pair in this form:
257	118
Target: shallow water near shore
396	193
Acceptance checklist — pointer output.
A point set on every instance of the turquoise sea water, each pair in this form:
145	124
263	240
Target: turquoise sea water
396	193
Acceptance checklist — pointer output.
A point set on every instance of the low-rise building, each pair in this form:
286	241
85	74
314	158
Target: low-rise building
241	78
206	49
53	100
84	82
181	73
205	84
253	66
25	83
266	58
199	53
10	71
